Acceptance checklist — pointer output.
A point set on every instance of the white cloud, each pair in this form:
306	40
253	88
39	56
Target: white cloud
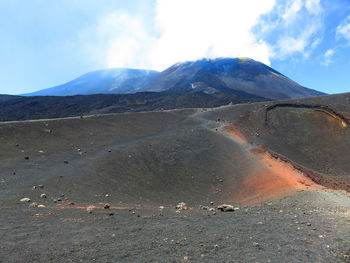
313	6
343	30
191	29
187	30
118	40
328	57
293	27
291	11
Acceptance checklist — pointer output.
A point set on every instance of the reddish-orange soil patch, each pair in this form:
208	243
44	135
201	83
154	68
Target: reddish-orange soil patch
271	178
231	130
276	178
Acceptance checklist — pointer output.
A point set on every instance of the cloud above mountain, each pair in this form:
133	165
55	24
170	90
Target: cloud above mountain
182	30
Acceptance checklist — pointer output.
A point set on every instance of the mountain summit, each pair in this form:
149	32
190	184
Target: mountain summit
209	76
223	74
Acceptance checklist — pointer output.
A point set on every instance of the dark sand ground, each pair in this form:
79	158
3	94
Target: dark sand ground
140	161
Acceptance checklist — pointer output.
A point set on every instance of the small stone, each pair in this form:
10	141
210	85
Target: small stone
225	208
43	196
308	224
106	206
25	199
54	200
40	186
41	206
34	204
65	161
161	207
180	205
89	209
211	203
34	187
27	157
256	244
216	246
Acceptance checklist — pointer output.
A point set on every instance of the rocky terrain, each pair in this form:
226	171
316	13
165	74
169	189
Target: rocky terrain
146	187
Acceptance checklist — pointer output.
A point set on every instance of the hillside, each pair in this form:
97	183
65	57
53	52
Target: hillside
43	107
108	185
209	76
108	81
222	74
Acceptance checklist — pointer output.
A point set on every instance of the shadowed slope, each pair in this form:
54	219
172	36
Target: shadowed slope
314	133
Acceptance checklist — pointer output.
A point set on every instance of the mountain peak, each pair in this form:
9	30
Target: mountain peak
206	75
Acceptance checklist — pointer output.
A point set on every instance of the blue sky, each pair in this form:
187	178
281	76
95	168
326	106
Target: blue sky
46	43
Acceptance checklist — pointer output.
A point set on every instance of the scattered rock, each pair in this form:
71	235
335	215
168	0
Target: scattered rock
41	206
180	205
25	199
34	187
256	244
43	196
89	209
161	207
106	206
40	186
211	203
34	204
225	208
54	200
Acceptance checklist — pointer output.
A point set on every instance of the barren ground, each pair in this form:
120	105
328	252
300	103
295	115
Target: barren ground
260	161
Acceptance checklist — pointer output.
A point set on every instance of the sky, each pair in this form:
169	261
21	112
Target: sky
47	43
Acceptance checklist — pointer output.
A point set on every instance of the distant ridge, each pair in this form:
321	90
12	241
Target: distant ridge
209	76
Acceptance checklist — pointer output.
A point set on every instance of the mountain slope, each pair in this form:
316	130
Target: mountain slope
108	81
218	75
14	108
222	75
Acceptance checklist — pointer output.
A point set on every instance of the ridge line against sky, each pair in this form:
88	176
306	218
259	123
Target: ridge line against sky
47	43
